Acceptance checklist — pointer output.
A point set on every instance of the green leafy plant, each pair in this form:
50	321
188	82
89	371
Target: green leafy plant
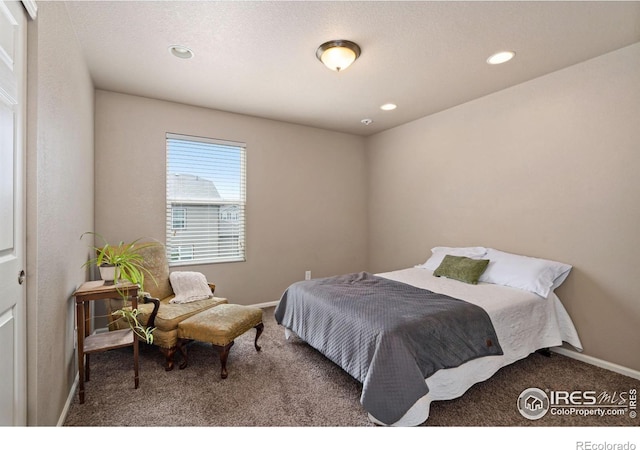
129	266
124	256
131	317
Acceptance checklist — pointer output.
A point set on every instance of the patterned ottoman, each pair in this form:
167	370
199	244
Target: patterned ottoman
219	325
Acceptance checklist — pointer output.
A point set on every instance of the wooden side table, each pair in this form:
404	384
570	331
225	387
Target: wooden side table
87	343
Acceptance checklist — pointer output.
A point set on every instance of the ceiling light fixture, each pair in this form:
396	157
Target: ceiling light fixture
181	51
388	107
501	57
339	54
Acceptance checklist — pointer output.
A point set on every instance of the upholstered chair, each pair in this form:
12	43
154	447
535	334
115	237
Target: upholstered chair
156	310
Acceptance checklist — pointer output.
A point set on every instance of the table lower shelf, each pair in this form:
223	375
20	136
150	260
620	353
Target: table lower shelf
108	340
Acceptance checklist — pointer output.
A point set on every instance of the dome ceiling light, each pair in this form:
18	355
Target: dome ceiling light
339	54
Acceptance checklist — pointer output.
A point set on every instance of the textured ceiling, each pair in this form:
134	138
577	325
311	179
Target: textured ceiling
258	58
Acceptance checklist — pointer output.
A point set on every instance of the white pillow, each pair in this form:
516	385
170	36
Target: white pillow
536	275
189	287
438	254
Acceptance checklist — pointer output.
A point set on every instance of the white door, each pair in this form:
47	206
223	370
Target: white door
13	397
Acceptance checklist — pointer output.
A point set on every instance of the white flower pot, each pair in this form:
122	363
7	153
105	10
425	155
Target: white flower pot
108	273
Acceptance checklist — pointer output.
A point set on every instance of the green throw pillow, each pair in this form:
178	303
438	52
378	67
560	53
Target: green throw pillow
461	268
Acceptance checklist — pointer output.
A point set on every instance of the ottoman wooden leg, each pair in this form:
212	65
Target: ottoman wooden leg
182	347
224	354
259	329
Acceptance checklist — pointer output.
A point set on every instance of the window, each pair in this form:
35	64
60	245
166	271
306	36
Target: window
206	183
181	253
178	218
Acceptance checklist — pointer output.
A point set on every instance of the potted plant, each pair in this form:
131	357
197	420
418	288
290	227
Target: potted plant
120	262
123	262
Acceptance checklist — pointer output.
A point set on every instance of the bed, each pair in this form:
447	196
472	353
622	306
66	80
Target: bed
403	370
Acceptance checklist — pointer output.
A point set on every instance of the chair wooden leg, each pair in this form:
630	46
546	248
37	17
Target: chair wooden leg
224	354
259	329
168	355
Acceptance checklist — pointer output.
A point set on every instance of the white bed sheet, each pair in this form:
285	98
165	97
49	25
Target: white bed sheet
524	323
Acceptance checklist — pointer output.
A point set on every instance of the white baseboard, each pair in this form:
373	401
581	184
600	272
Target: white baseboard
267	304
597	362
67	405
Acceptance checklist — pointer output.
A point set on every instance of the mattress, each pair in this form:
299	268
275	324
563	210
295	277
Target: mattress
524	323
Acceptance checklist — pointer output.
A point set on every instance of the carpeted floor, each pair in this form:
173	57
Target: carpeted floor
289	384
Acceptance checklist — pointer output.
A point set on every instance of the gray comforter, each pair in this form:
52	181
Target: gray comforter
388	335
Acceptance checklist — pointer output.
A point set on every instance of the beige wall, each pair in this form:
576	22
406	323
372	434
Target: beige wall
306	191
59	205
548	168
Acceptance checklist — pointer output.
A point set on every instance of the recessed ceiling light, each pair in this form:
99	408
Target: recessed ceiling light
181	51
501	57
388	107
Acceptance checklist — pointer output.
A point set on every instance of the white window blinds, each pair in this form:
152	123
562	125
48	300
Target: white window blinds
206	193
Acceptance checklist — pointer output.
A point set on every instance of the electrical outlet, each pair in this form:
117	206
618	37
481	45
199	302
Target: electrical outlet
307	275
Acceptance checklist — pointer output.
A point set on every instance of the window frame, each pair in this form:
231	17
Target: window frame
230	239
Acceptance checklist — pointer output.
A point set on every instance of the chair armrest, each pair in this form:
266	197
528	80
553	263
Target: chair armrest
151	323
213	287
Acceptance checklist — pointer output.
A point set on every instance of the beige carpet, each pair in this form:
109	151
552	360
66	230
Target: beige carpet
289	384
